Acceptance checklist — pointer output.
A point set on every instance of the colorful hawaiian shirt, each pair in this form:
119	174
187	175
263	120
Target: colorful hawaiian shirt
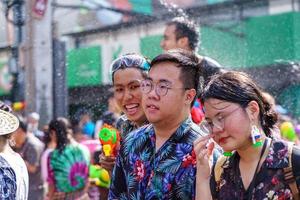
169	173
125	126
269	182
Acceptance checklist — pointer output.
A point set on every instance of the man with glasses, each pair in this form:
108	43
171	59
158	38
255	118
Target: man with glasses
181	33
157	161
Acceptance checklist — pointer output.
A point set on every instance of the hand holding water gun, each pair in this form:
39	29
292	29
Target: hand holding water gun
99	176
109	138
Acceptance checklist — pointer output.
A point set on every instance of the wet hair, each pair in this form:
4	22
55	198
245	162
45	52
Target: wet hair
189	64
130	60
239	88
209	68
60	129
186	28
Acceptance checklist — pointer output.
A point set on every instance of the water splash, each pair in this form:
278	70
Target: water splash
173	8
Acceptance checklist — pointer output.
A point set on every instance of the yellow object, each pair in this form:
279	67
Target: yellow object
99	176
107	149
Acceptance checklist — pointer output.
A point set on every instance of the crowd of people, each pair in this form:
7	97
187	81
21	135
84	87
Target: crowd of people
241	146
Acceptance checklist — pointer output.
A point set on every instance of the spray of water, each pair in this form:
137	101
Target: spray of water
173	8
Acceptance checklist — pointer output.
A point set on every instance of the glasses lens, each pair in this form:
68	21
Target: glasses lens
205	127
146	86
162	89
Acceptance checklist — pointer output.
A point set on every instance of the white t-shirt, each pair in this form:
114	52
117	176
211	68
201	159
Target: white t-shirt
20	169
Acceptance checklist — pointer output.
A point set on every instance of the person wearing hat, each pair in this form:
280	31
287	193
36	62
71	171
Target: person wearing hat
13	171
33	125
30	148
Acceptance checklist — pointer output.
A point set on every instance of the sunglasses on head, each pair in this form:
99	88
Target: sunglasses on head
129	61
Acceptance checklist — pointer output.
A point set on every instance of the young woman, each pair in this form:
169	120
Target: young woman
241	121
67	165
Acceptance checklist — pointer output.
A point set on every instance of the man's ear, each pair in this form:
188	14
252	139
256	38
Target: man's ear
183	42
253	110
189	96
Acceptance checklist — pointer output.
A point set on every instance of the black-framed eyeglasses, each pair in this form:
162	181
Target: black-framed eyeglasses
218	122
130	60
161	88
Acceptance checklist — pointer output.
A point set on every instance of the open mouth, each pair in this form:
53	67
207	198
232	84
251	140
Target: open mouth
131	109
151	107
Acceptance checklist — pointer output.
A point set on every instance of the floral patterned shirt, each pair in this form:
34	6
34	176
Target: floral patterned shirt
125	126
269	182
169	173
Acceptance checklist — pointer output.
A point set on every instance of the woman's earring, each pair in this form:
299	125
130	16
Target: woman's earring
256	137
227	153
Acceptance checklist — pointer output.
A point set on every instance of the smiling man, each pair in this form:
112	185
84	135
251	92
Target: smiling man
157	161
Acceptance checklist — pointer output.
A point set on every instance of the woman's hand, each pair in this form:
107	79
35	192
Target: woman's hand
203	149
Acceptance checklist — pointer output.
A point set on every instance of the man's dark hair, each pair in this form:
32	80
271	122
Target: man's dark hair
22	124
189	64
186	28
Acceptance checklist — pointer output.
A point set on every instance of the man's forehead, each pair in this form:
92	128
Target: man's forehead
164	71
170	29
127	82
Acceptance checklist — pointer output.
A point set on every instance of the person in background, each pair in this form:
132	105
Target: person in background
67	165
33	125
87	125
13	171
181	33
30	148
50	145
111	115
157	161
241	121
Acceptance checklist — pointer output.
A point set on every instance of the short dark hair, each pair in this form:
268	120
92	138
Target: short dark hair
130	60
186	28
188	62
22	124
239	88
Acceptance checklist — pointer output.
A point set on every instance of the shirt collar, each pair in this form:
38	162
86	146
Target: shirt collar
180	132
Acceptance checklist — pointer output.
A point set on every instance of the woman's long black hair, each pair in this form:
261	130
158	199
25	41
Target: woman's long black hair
238	87
60	130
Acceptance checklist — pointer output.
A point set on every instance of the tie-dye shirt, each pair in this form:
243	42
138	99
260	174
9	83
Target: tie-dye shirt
169	173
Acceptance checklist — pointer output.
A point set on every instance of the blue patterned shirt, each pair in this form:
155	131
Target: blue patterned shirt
8	182
169	173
